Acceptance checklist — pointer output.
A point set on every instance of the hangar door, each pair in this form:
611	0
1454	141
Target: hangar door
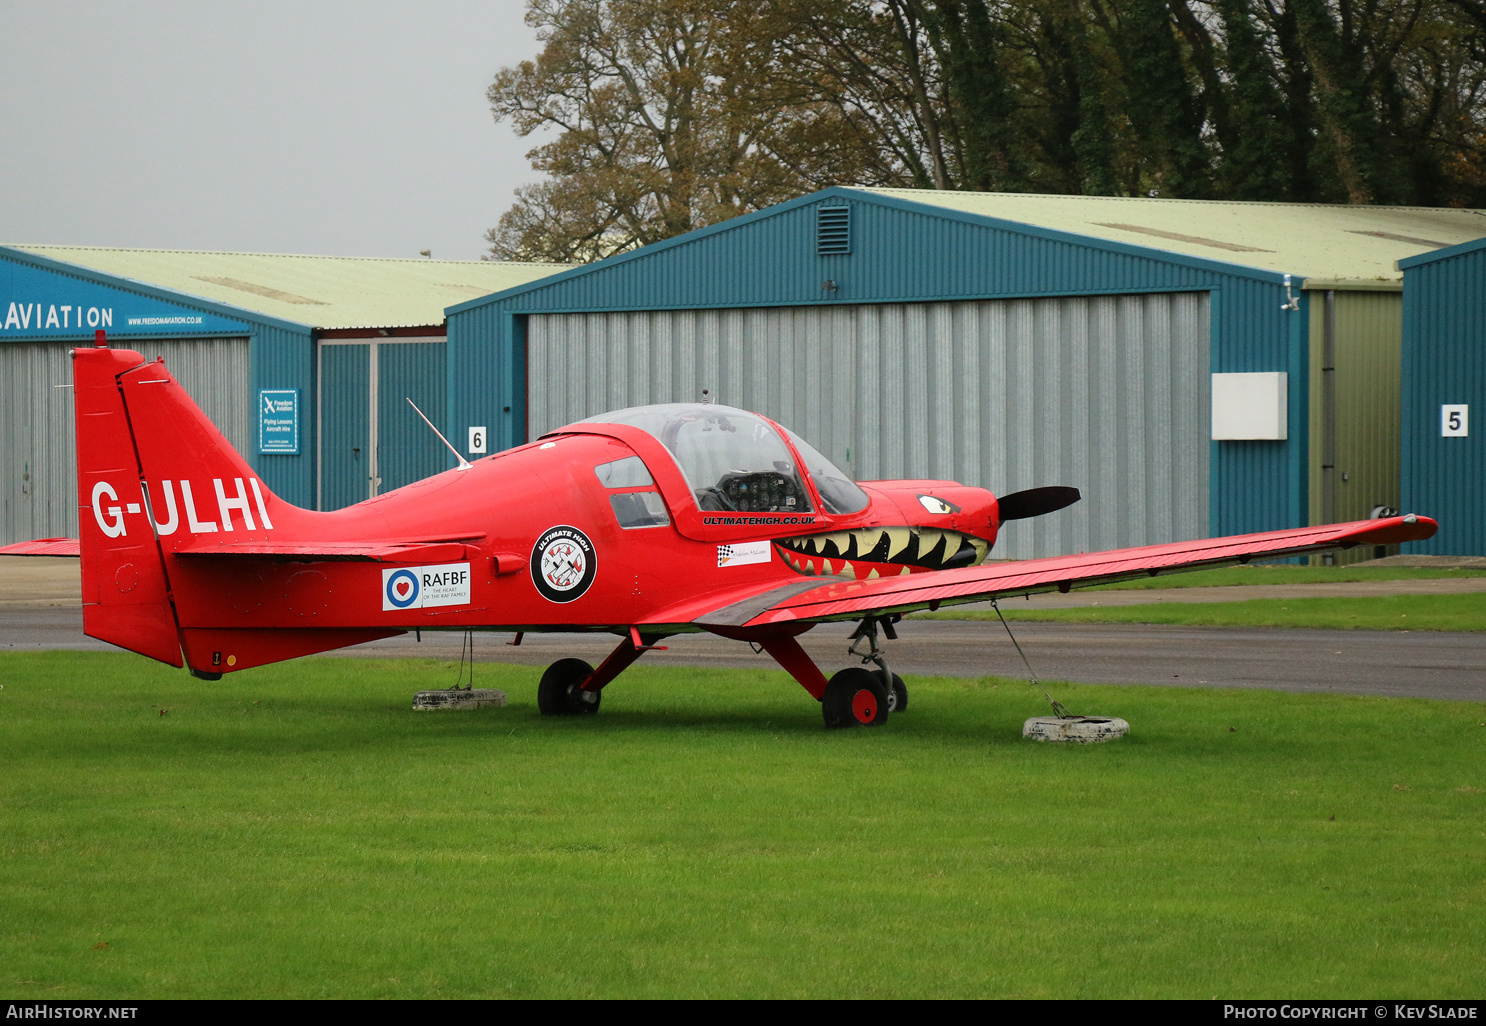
38	464
370	439
1110	394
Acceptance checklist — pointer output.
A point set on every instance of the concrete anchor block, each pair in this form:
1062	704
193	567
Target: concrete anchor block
1080	730
476	698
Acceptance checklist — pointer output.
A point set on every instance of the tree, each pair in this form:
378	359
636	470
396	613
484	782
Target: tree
670	115
673	114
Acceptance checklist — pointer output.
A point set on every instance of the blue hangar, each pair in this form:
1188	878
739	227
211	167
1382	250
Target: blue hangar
304	362
1444	395
1196	368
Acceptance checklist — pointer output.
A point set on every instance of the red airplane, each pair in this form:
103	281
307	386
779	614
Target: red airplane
643	523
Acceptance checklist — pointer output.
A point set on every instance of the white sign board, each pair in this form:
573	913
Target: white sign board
418	587
1455	421
477	440
1250	406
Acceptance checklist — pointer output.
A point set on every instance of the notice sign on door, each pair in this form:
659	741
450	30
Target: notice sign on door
278	421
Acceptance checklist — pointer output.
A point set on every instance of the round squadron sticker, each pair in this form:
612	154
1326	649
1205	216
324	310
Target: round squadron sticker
562	564
402	588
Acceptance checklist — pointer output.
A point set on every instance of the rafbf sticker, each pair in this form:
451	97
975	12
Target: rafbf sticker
418	587
563	564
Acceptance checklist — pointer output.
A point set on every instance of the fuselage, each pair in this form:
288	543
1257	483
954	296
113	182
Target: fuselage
568	533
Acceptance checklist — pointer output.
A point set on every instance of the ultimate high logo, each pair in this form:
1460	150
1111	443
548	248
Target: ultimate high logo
563	564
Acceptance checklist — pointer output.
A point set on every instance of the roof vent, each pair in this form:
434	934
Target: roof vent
832	230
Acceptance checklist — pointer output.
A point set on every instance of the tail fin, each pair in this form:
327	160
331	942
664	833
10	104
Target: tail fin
155	478
154	474
126	600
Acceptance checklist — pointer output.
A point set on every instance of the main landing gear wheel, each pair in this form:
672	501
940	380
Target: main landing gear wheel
898	700
855	698
561	693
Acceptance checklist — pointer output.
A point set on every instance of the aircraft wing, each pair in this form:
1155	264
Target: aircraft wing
839	599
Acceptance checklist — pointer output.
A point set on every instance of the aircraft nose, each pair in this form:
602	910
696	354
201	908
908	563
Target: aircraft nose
945	504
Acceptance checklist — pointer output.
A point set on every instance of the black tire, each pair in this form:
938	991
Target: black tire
898	700
855	698
560	691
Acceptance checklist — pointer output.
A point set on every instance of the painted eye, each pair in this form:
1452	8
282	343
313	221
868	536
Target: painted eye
937	505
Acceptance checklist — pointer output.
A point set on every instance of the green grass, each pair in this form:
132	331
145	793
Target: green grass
1288	573
297	831
1379	612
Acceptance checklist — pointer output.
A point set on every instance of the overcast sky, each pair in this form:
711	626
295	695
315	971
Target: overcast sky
355	129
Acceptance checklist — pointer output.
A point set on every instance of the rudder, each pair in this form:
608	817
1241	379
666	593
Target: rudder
126	600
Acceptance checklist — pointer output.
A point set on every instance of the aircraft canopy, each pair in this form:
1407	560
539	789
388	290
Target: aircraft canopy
735	460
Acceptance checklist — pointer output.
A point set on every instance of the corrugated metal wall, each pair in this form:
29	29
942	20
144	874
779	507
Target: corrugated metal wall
38	467
369	439
486	376
1107	393
343	425
285	358
1444	362
1355	407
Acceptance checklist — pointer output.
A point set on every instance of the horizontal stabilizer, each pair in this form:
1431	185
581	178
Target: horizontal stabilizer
43	547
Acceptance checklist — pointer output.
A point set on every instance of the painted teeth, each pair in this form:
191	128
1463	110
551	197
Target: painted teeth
838	551
929	541
897	540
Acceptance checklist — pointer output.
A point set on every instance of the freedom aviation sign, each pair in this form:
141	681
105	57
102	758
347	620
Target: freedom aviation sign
39	303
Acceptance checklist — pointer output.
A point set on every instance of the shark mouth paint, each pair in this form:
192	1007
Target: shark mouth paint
881	551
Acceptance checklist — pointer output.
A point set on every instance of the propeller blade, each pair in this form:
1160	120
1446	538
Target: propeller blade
1034	502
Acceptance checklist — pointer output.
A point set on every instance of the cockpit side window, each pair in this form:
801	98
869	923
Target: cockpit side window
629	472
633	508
639	509
732	459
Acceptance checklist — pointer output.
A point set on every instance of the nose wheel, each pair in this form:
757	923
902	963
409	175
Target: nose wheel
855	697
861	696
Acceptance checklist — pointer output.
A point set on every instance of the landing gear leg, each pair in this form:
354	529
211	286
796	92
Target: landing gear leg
866	633
898	701
854	697
571	687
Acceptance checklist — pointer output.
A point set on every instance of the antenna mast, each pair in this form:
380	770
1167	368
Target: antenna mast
464	464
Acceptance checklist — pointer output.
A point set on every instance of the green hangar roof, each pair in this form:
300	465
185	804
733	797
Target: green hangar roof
1329	244
316	291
